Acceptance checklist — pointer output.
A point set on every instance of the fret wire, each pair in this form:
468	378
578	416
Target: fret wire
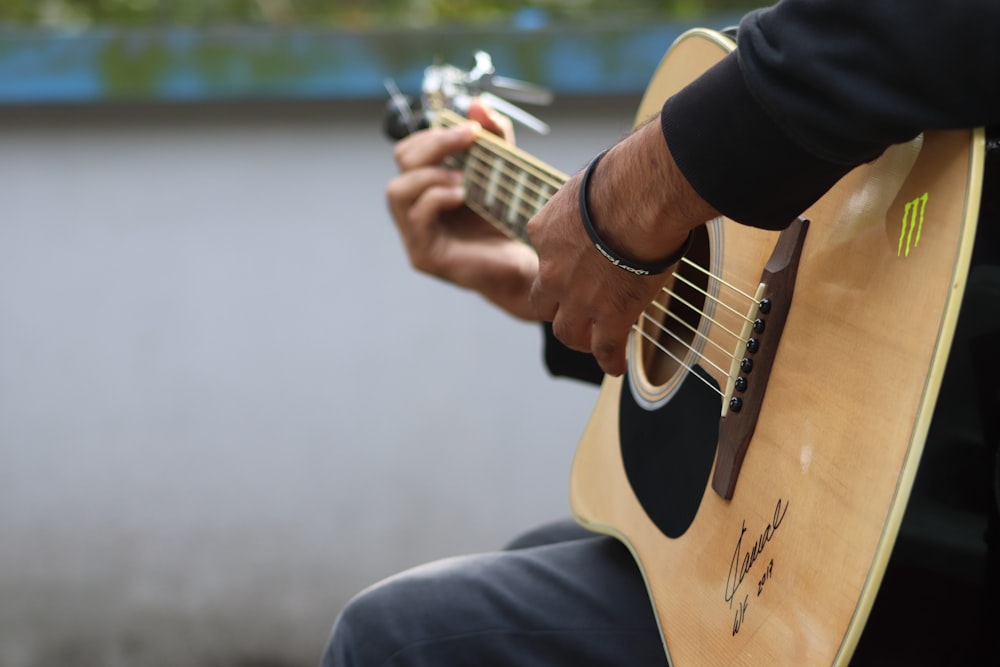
496	149
481	178
500	148
477	180
479	209
523	210
476	157
487	145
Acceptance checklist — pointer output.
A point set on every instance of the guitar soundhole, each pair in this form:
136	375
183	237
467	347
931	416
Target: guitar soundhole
669	331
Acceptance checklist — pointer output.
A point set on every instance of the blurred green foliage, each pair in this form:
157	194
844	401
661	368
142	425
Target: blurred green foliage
353	14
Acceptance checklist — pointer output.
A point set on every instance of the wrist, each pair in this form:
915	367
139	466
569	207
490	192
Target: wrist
640	204
639	268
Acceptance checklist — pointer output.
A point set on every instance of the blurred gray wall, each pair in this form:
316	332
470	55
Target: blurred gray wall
226	401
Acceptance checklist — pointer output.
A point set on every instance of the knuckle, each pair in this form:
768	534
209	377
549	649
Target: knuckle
549	276
393	190
399	153
533	228
605	350
572	337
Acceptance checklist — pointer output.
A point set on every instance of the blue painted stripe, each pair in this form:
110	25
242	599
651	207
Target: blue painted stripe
170	65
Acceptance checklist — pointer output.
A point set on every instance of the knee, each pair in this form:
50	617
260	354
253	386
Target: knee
402	620
379	623
359	629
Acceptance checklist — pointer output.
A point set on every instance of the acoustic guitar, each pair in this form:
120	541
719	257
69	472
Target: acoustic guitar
757	456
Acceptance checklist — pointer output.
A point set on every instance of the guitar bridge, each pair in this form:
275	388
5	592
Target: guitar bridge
754	358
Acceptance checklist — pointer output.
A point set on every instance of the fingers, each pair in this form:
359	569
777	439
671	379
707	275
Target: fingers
439	190
609	342
433	146
587	313
417	200
424	188
407	193
603	333
491	120
591	303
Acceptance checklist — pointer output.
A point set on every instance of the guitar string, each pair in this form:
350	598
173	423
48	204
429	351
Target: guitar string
482	179
491	144
525	166
676	297
726	353
513	175
711	296
494	175
680	362
494	181
531	211
694	330
501	190
497	148
665	330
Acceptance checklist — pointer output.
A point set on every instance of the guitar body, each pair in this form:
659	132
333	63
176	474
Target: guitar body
784	572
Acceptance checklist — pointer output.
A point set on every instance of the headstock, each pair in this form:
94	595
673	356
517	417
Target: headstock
449	87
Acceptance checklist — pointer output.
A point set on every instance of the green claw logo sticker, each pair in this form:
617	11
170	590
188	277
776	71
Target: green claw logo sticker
913	224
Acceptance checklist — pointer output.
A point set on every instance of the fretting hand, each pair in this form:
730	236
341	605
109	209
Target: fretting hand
441	236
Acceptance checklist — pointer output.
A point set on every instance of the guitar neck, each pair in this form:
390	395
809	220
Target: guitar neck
504	185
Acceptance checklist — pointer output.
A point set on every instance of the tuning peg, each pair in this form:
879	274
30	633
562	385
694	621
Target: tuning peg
446	86
520	91
400	117
515	113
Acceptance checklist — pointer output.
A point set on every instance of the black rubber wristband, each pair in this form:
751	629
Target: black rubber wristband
632	266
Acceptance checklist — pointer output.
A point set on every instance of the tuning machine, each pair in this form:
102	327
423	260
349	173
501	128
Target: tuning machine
449	87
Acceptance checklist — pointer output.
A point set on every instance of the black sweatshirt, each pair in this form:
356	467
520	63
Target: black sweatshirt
813	89
817	87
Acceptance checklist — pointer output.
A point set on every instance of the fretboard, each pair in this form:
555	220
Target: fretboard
504	185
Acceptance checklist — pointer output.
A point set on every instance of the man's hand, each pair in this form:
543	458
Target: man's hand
643	207
442	237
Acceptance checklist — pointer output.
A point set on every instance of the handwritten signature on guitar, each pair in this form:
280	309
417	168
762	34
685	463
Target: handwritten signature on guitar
744	559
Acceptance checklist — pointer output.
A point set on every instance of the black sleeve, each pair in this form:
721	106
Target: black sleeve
564	362
817	87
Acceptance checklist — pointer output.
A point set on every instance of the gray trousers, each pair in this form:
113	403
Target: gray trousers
560	596
556	596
